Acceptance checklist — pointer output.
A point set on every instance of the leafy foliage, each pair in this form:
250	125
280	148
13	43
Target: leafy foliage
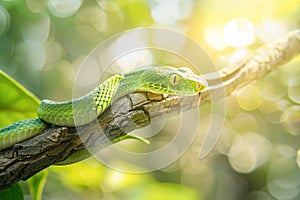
12	193
16	103
36	184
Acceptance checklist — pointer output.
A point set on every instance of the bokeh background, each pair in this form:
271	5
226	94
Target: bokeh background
44	42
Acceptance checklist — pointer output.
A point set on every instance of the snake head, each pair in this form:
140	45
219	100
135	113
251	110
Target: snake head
170	80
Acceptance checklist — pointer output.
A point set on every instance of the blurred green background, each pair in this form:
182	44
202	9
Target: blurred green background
43	43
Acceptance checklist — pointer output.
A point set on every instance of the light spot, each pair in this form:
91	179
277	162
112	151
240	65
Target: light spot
170	11
135	58
269	107
249	97
286	151
294	90
36	30
248	152
215	37
94	15
244	123
239	32
271	29
283	178
54	52
273	92
239	54
108	5
4	20
32	54
129	51
291	119
64	8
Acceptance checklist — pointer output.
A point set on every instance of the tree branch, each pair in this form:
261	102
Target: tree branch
136	110
261	62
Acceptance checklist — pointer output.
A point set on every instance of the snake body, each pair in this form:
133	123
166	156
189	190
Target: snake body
158	79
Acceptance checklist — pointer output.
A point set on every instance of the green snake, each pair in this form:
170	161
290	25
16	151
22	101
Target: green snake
77	112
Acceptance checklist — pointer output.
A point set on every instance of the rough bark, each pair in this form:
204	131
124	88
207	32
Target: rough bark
55	144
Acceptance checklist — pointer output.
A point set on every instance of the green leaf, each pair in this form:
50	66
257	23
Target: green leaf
36	184
16	103
12	193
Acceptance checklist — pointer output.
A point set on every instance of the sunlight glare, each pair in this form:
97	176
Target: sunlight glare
64	8
170	11
129	52
135	58
270	29
214	37
239	32
239	55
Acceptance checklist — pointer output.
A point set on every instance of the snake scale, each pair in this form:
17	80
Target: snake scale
77	112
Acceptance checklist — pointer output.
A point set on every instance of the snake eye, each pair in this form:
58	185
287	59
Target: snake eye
175	79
